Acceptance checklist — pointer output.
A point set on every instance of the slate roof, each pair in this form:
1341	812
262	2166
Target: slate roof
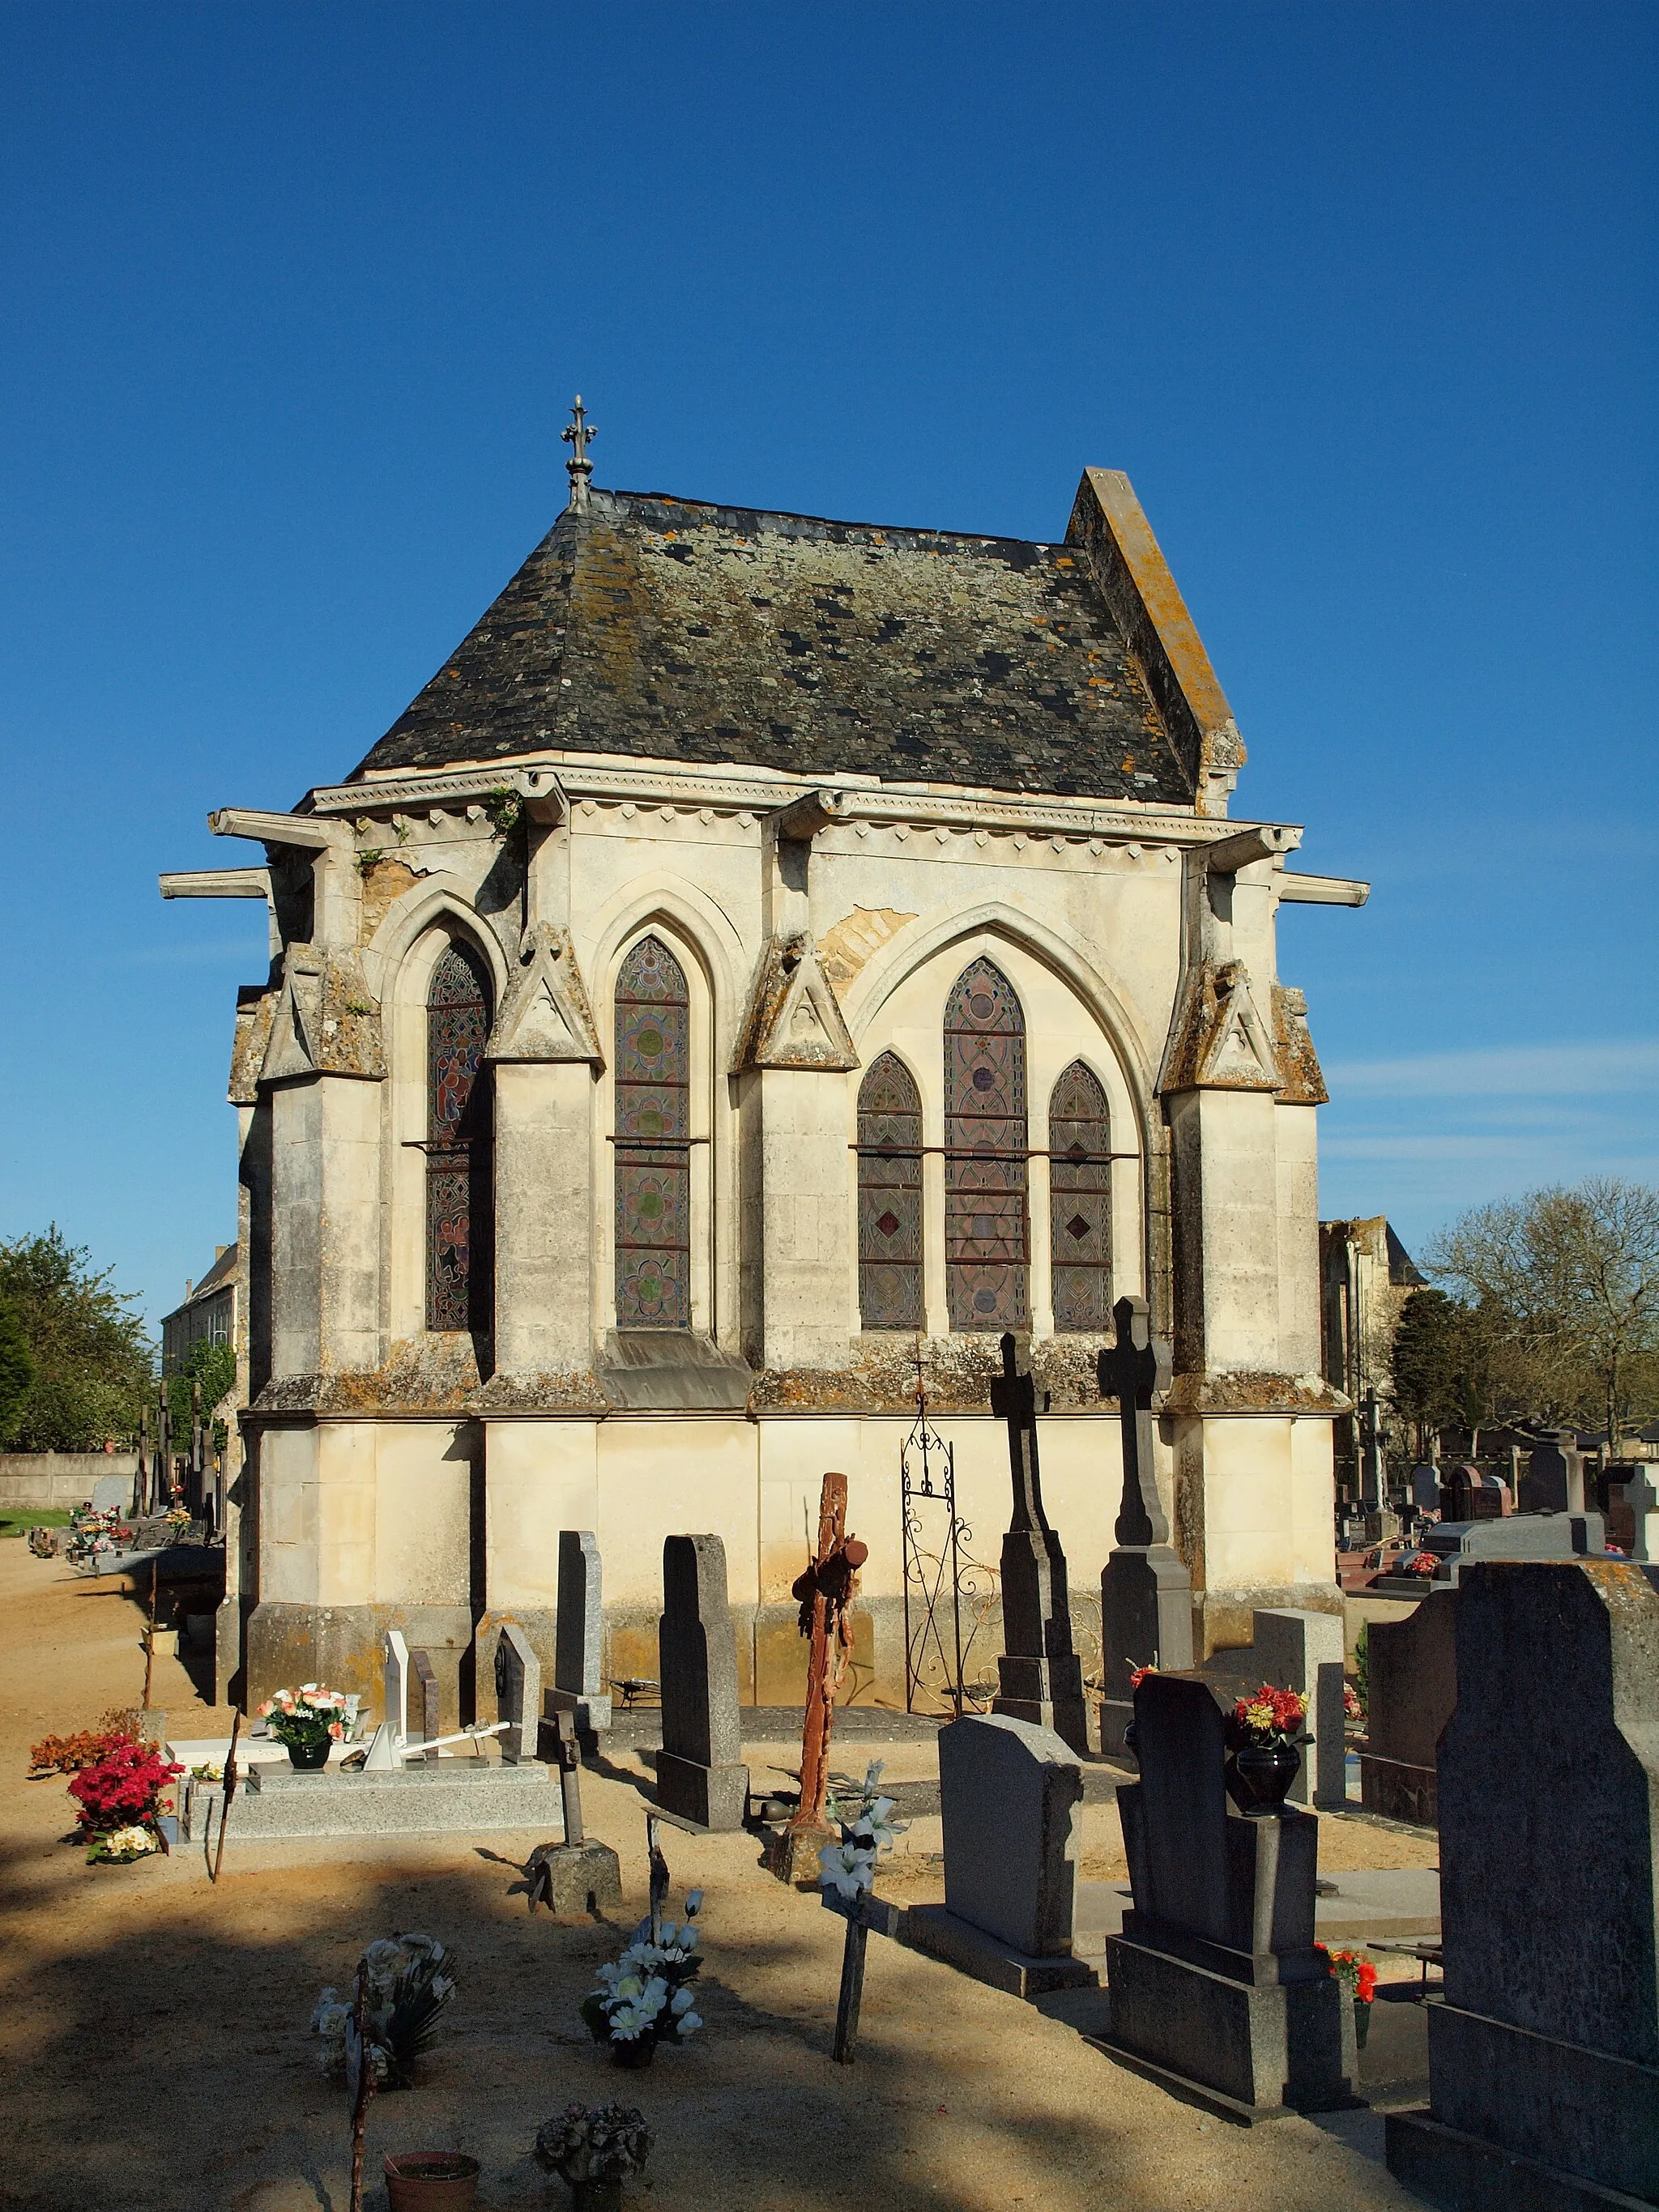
667	628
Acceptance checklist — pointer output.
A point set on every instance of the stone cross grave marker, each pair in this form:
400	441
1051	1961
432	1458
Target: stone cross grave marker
1544	2048
1215	1980
579	1630
518	1692
1040	1677
574	1875
700	1776
1009	1794
1145	1593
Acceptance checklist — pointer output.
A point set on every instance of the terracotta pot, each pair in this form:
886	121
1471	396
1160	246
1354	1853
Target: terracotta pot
635	2053
431	2181
596	2196
1258	1776
309	1758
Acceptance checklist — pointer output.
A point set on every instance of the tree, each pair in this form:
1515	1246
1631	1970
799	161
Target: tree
1425	1360
1570	1280
93	1364
17	1367
214	1366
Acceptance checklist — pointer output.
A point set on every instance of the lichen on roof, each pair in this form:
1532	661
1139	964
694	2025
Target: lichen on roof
670	630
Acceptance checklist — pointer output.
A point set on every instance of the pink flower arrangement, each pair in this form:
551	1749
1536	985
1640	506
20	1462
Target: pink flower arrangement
1270	1716
305	1716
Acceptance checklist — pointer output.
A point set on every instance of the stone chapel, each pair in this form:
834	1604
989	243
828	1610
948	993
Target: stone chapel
771	958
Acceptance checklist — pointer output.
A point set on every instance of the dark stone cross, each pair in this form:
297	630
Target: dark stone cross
1145	1593
1040	1677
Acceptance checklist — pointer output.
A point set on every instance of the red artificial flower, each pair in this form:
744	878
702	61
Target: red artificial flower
123	1789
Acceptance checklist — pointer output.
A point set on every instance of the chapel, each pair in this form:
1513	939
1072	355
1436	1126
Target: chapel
770	960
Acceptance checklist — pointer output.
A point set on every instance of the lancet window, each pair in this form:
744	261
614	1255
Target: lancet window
985	1153
653	1162
458	1196
1079	1186
889	1196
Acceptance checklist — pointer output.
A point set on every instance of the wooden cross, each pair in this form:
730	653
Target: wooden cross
862	1914
823	1592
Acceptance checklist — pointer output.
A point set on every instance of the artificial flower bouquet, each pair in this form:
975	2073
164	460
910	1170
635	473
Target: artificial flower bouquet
644	1998
119	1794
594	2142
179	1518
121	1846
1358	1978
307	1717
410	1979
1269	1716
867	1829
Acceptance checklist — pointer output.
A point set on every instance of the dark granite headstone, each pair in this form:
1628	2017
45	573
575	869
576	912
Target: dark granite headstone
1468	1493
579	1631
1554	1479
700	1775
1544	2052
1146	1592
1040	1677
1411	1672
1215	1980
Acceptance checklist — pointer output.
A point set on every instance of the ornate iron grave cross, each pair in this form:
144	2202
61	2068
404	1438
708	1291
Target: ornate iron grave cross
576	434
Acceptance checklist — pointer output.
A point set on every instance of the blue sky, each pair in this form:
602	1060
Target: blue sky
1363	298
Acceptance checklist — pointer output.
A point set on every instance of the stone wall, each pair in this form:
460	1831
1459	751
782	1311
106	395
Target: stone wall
61	1479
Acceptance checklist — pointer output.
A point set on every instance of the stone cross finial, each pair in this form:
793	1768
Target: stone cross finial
576	433
1013	1400
1138	1365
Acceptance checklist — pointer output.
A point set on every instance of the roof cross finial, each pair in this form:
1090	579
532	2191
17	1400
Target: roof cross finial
576	433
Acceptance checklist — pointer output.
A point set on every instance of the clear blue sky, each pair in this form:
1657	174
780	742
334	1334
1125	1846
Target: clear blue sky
1362	297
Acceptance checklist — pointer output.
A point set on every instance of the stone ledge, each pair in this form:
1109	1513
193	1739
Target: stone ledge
941	1934
1462	2173
456	1794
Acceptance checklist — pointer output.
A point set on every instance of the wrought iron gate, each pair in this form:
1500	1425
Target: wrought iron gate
942	1577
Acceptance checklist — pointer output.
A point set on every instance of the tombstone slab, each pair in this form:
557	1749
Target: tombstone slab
518	1692
1009	1794
395	1672
579	1630
1410	1688
1303	1650
1215	1981
1543	2048
700	1776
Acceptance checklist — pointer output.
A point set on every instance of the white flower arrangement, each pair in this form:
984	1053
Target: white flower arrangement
123	1845
849	1866
643	1997
305	1716
410	1980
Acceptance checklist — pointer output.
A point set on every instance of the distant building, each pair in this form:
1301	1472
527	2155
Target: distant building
208	1314
1365	1276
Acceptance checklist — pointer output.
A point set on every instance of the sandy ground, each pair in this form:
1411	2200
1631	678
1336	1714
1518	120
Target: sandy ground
154	2029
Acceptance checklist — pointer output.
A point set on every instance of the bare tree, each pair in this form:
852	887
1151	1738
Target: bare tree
1570	1277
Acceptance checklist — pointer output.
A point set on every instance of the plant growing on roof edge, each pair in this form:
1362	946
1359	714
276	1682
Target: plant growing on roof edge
504	808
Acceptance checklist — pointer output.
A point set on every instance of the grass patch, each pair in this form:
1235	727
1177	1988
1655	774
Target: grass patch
30	1517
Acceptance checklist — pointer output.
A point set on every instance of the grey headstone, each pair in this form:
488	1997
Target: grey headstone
518	1692
1009	1795
1545	2045
1425	1487
1304	1650
1554	1479
1411	1671
1215	1977
700	1775
579	1632
395	1677
112	1493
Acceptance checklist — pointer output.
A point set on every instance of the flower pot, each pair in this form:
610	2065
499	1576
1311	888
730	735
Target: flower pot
634	2052
1361	2021
431	2181
596	2196
1258	1776
310	1759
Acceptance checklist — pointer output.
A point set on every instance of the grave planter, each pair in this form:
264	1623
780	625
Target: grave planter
431	2181
309	1758
596	2196
1259	1775
634	2052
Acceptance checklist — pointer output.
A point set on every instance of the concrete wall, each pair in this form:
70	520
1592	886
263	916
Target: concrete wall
56	1479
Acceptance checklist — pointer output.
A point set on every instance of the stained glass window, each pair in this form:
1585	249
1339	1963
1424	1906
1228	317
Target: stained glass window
1079	1204
459	1199
890	1197
654	1171
985	1146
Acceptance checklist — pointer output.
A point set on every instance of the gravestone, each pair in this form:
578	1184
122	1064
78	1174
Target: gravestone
1543	2047
1460	1545
700	1776
579	1631
1426	1486
1297	1649
1216	1985
395	1672
1639	1507
1382	1527
112	1493
1009	1794
575	1875
1468	1493
1411	1686
518	1692
1039	1676
1145	1593
1554	1479
425	1724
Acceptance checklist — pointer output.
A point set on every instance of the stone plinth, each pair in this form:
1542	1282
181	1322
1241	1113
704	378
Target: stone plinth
700	1776
453	1795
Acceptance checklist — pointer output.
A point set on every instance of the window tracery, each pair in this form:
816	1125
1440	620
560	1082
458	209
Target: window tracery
985	1153
1079	1207
653	1162
889	1196
458	1197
